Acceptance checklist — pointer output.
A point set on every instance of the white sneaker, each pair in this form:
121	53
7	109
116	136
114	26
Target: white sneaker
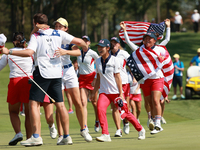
138	120
118	133
163	121
97	126
157	129
141	134
87	129
66	141
86	136
104	138
182	96
59	139
53	131
151	124
174	97
22	113
126	128
18	137
32	141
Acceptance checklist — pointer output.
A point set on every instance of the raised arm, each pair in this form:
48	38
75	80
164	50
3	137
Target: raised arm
130	44
80	42
167	36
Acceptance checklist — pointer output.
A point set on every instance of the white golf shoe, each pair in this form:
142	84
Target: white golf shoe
32	141
118	133
156	129
104	138
59	139
86	135
87	129
174	97
53	132
151	124
126	128
66	141
163	121
97	126
18	137
141	134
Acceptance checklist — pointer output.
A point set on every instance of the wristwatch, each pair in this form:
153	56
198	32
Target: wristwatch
10	52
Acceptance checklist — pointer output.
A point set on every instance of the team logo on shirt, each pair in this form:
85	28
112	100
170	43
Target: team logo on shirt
55	33
50	52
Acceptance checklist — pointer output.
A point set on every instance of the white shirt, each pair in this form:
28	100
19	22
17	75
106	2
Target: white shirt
178	19
44	43
86	63
25	63
195	17
108	84
122	57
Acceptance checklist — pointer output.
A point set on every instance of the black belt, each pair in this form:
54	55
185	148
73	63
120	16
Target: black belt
67	66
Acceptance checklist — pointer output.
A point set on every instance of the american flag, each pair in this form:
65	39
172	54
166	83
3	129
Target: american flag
168	72
145	63
136	30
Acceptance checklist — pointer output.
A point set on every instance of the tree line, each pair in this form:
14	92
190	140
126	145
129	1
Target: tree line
96	18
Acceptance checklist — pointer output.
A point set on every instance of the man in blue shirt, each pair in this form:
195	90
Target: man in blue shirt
196	58
178	73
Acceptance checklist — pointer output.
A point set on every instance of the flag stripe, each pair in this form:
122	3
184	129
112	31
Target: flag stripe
148	70
136	30
150	57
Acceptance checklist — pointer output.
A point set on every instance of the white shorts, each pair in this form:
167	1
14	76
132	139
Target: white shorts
69	79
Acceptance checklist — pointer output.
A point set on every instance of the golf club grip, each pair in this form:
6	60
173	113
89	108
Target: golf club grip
52	100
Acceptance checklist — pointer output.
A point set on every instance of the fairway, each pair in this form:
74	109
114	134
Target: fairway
182	131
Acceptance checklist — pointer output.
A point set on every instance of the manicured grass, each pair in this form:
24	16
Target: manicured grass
180	133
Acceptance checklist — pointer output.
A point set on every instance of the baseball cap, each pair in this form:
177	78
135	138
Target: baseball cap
62	21
104	43
177	13
195	10
176	56
86	37
151	34
198	50
115	39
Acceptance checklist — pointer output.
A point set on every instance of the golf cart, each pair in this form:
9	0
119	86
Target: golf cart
192	82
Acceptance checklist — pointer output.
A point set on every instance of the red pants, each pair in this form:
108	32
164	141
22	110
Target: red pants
102	105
